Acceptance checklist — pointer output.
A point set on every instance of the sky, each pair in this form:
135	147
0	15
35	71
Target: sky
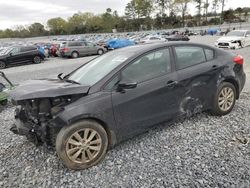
25	12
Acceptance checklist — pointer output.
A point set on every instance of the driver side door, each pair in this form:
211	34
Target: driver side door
15	56
154	100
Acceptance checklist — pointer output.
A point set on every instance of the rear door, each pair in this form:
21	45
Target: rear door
197	72
28	53
155	98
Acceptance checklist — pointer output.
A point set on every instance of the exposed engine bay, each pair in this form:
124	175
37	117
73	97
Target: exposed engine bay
36	117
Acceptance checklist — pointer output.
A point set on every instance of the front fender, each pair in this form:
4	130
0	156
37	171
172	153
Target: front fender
96	106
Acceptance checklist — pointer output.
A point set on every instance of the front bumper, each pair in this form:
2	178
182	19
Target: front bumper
36	132
227	45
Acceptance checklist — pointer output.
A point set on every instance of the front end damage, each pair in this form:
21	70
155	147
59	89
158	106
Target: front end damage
37	118
39	103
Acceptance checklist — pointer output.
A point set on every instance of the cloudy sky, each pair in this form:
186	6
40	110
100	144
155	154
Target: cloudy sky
25	12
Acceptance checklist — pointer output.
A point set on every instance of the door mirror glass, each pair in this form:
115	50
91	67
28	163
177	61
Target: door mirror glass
10	54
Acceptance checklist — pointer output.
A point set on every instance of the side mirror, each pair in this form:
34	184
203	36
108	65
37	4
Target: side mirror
10	54
2	86
126	85
247	35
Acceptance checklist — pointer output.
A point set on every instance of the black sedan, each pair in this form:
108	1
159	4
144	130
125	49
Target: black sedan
124	93
177	37
19	55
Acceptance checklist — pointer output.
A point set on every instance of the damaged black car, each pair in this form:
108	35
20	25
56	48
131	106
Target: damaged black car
124	93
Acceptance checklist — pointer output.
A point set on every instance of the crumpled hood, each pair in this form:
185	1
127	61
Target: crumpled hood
46	88
229	38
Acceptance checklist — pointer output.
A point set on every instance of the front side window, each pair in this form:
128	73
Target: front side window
187	56
15	51
148	66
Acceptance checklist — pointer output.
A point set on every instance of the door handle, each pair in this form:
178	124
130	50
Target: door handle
214	67
171	83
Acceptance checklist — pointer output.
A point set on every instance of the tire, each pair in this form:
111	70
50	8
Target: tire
225	90
37	60
74	55
71	150
2	65
100	52
242	44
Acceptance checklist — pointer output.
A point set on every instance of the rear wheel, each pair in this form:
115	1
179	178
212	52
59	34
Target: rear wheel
75	55
100	52
82	145
37	59
2	65
224	100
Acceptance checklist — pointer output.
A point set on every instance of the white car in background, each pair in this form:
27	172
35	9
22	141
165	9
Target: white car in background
152	39
234	39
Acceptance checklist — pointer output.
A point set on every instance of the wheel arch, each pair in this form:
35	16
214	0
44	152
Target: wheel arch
111	134
75	51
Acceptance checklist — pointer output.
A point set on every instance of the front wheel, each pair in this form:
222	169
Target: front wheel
224	100
82	145
2	65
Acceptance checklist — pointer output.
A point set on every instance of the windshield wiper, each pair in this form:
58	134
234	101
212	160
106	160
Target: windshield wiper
72	81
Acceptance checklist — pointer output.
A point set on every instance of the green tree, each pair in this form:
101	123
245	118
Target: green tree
57	26
198	6
228	15
36	29
183	6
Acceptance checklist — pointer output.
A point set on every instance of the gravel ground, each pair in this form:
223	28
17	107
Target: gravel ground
202	151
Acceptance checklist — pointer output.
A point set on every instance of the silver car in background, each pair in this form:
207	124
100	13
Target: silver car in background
76	49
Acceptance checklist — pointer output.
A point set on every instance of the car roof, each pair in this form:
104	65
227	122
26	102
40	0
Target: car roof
241	30
138	49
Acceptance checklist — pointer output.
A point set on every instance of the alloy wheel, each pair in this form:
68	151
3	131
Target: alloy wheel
83	146
226	99
37	60
2	65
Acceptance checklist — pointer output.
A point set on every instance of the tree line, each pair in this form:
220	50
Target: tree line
139	15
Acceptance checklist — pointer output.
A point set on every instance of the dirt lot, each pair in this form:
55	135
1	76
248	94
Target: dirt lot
202	151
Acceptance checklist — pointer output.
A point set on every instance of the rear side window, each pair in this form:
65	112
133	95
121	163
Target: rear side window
74	44
27	48
209	54
187	56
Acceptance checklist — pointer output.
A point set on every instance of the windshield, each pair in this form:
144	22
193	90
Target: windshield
5	51
236	33
98	68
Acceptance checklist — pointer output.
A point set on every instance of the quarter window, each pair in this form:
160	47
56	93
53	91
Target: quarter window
209	54
188	56
148	66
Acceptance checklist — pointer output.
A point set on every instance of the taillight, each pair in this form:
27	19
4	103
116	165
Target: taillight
238	60
65	49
